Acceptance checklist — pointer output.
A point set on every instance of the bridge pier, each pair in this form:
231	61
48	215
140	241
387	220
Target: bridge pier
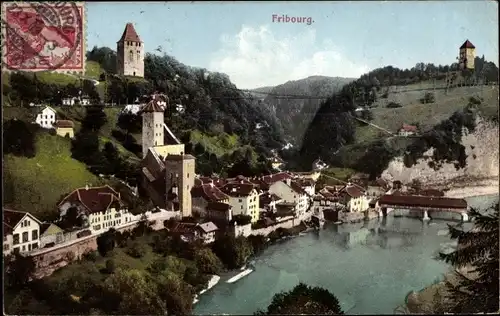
426	216
465	217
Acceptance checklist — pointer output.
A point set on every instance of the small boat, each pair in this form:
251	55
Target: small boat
239	276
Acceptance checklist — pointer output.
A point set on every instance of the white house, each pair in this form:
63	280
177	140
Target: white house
407	130
318	164
244	199
291	192
206	232
46	118
354	198
100	208
70	101
21	232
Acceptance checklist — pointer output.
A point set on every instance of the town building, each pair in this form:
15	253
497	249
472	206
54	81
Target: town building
276	162
64	128
21	232
97	208
244	199
50	235
219	212
318	165
326	198
292	193
268	202
205	193
354	198
46	118
206	232
467	55
130	53
70	101
407	130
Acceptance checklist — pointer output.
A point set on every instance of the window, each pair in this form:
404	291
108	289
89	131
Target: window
241	206
34	246
29	247
188	175
131	55
16	239
34	235
25	237
5	247
16	249
4	238
24	248
239	200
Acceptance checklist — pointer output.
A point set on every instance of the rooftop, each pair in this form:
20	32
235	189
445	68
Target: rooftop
129	34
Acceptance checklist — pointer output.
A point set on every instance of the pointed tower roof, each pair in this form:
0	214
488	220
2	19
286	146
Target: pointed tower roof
467	44
129	34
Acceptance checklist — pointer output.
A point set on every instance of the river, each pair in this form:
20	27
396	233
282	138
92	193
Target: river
369	266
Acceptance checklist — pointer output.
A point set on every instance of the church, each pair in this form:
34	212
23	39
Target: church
167	173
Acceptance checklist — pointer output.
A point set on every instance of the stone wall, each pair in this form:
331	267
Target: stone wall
266	231
49	260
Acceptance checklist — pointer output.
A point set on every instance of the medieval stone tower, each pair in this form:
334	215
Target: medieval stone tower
130	53
467	56
152	126
180	173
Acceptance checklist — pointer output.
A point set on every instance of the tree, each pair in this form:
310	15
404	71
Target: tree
94	118
130	122
233	251
132	292
110	266
305	300
477	248
85	147
114	161
106	242
18	270
136	249
206	261
19	138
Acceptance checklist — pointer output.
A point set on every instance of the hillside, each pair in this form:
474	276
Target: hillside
36	184
295	113
388	98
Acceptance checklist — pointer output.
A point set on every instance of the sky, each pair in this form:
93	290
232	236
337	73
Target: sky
344	39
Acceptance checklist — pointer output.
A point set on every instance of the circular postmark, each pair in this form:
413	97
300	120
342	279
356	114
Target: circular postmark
42	36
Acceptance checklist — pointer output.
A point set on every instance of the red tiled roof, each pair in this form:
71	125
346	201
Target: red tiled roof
64	124
129	34
209	192
408	128
97	199
152	106
423	201
351	190
239	179
183	228
272	178
11	218
297	187
238	189
467	44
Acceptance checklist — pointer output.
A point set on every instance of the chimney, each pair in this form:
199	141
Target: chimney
86	187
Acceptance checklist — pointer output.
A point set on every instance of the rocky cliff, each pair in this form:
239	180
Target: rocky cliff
481	147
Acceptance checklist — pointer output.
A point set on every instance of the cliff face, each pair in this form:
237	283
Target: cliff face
481	148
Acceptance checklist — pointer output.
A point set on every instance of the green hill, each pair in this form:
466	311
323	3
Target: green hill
37	184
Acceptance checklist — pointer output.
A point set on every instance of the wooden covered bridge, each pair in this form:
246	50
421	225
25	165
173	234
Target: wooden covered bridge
423	204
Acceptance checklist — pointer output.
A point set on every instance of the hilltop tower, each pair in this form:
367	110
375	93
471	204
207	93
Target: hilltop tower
180	175
152	125
130	53
467	56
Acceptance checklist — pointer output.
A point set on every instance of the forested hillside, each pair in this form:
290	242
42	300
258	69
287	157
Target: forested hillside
294	103
335	130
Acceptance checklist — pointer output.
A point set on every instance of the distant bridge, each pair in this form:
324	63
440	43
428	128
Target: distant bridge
424	204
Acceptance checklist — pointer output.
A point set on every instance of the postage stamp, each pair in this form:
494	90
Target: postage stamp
43	36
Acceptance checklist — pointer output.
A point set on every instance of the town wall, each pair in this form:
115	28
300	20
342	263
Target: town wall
266	231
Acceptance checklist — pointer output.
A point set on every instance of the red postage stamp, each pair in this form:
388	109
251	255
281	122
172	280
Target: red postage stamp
39	36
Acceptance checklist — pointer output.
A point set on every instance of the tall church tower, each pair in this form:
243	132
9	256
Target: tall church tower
130	53
467	55
152	125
